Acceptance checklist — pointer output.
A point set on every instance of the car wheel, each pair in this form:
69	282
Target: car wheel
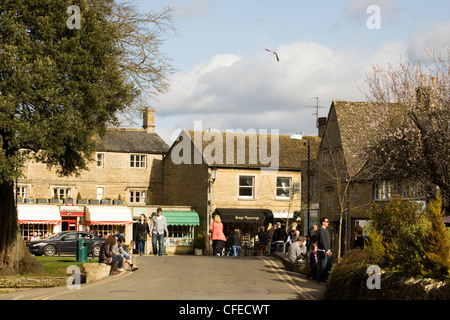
95	251
49	251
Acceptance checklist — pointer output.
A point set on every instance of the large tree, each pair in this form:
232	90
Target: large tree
410	137
61	86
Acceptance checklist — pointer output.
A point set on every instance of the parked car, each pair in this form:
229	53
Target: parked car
65	242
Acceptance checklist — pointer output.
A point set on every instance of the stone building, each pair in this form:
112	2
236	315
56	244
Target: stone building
123	180
246	178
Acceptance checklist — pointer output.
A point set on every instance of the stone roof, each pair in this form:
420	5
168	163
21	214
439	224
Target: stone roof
132	141
354	121
290	152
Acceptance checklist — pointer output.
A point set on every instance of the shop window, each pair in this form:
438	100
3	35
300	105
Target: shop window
138	161
181	235
246	187
284	188
29	229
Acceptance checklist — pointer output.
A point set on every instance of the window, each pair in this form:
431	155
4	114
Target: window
137	196
329	199
100	160
181	235
138	161
246	187
382	190
284	188
21	192
99	193
62	193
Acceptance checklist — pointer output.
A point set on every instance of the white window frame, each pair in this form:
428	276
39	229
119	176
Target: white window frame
382	190
289	187
137	196
62	192
101	193
252	187
100	158
138	161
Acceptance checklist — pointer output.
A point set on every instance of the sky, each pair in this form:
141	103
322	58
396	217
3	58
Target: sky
226	80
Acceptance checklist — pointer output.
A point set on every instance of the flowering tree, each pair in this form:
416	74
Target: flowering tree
409	140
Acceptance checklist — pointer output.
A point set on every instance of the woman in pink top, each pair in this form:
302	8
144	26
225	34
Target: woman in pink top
217	236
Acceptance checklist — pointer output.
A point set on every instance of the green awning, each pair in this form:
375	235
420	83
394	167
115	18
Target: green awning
182	218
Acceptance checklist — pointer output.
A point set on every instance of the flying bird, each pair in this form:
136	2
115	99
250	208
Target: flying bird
276	54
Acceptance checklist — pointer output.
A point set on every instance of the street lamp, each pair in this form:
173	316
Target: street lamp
308	197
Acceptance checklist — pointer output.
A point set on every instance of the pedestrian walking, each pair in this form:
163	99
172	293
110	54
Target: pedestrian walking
324	250
142	230
263	241
157	231
359	239
270	231
217	236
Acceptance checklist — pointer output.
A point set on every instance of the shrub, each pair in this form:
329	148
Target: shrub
350	273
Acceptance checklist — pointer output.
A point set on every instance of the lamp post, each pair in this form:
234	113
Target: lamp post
308	197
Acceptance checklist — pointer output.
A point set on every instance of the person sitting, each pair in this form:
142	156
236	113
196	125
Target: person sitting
295	253
125	254
106	255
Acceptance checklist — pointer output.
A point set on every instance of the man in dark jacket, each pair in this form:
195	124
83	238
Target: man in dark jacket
324	250
279	238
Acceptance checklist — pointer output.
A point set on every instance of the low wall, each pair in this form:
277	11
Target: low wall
32	282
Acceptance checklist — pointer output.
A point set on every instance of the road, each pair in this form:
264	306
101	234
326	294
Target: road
190	278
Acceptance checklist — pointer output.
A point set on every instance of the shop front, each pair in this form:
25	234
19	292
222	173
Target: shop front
248	221
105	221
180	225
72	218
40	221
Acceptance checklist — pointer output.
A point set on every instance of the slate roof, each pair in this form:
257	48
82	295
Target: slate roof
354	120
132	141
290	152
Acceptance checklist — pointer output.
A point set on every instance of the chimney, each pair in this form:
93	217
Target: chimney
149	120
321	126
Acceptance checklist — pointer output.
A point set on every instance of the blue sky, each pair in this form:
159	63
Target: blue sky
226	79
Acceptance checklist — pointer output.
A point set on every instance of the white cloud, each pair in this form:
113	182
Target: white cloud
230	92
435	37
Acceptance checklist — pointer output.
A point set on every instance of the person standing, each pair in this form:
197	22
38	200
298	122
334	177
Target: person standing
313	262
158	231
324	250
217	236
279	238
236	242
142	231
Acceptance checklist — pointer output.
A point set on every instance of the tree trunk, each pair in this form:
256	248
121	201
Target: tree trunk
14	255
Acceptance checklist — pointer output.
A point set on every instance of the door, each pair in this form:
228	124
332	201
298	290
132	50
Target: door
68	223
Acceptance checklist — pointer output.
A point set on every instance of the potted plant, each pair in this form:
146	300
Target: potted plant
80	200
119	201
199	244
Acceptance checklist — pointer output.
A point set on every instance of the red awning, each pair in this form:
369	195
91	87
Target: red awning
108	215
36	214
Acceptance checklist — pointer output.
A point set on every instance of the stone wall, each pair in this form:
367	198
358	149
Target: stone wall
32	282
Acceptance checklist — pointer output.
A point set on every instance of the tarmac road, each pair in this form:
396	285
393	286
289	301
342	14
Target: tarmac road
190	278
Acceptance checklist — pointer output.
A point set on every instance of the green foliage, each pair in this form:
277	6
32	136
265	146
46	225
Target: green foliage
408	249
59	87
437	242
350	273
199	241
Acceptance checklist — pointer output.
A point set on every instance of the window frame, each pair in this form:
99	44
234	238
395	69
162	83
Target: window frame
246	187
